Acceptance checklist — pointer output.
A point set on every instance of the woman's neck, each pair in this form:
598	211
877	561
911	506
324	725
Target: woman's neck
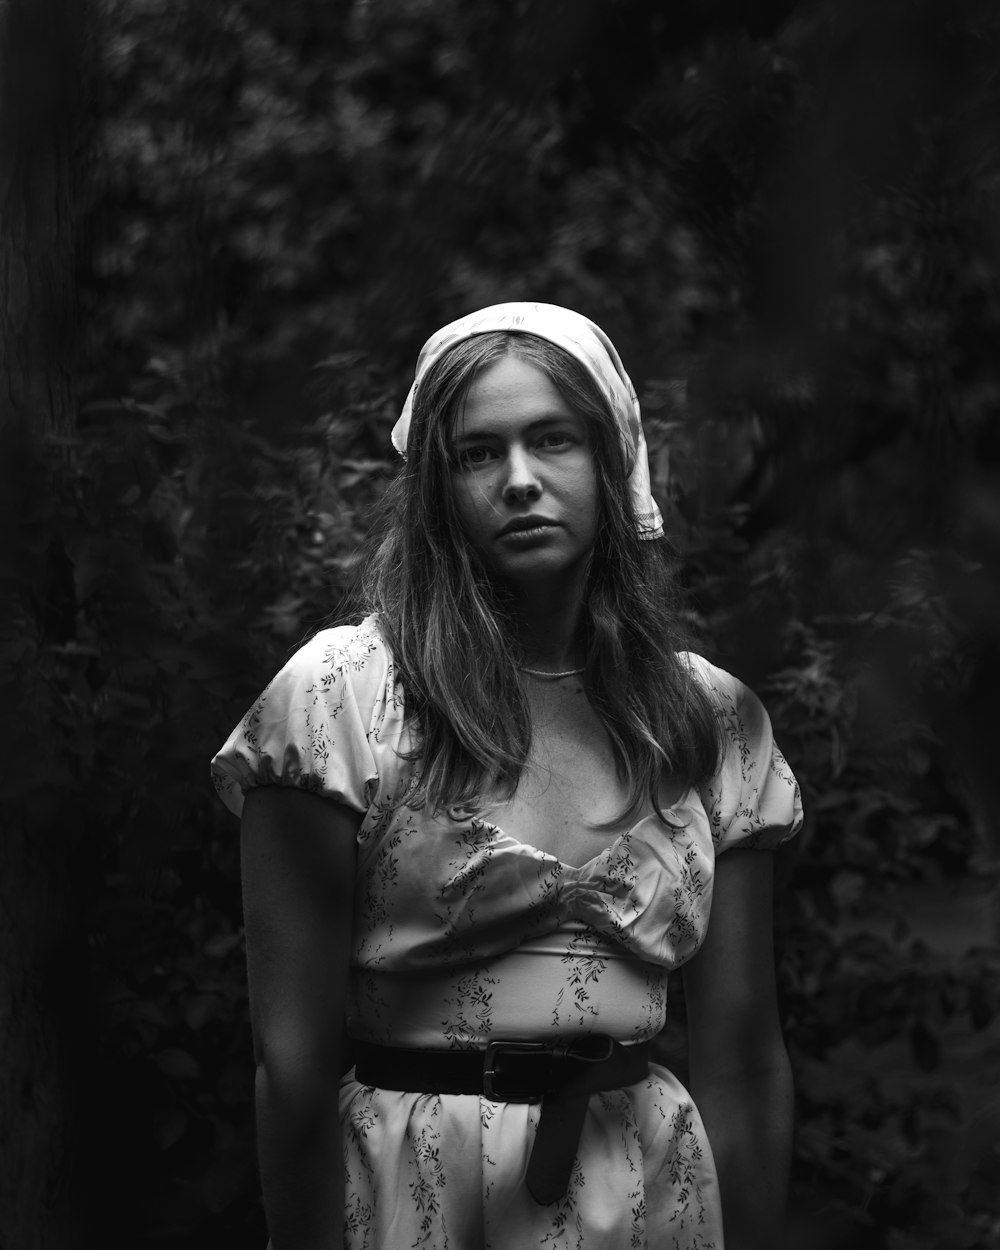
547	624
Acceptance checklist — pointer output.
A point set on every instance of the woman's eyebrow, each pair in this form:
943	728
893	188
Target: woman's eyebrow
547	419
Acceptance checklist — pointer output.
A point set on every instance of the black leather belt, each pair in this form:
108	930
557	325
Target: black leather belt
559	1076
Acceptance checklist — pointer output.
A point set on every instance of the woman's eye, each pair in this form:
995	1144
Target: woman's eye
474	457
555	438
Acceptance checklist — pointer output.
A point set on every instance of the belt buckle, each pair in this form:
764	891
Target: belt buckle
492	1075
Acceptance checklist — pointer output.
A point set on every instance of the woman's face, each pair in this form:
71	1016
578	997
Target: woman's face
523	474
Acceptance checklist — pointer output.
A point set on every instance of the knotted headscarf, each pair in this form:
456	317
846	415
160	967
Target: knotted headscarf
588	344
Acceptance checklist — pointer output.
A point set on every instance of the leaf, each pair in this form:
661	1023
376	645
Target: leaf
177	1063
201	1009
847	889
223	944
169	1127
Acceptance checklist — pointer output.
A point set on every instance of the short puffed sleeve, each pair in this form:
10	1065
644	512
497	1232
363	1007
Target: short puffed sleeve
753	801
312	726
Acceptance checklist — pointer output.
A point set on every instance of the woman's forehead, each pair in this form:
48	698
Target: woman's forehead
511	392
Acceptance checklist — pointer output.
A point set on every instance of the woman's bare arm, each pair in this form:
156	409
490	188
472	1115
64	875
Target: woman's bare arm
740	1075
298	861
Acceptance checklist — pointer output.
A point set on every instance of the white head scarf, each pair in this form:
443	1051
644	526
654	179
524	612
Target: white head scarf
588	344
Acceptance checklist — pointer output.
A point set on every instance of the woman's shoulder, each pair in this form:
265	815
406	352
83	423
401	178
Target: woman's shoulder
338	663
345	650
318	723
719	683
753	800
740	710
363	635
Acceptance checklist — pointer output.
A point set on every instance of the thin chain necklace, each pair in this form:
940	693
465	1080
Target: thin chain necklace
542	676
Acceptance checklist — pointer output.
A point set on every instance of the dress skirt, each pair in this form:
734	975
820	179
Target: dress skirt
446	1172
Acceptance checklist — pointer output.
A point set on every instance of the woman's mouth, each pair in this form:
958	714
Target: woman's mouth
526	531
527	535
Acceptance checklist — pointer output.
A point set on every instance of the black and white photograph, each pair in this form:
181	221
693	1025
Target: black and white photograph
499	624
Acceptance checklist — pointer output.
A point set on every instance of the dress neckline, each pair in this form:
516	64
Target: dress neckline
625	836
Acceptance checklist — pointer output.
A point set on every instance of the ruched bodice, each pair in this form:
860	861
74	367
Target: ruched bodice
650	891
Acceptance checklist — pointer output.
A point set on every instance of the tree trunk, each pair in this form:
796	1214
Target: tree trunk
40	58
39	78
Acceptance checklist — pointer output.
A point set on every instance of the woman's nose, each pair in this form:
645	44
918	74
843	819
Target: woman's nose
521	480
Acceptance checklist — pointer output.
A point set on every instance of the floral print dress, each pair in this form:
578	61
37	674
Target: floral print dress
464	935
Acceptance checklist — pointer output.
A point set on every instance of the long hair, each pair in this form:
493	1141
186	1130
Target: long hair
446	623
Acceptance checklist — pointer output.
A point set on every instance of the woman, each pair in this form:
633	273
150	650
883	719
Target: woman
483	825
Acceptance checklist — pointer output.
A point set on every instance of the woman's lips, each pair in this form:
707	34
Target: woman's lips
527	534
526	523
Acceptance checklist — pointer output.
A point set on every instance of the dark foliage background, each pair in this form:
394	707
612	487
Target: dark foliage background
785	214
